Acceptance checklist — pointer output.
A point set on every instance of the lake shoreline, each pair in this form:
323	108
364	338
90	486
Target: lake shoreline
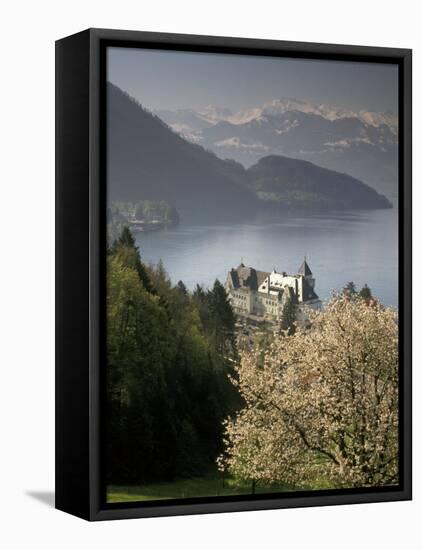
358	245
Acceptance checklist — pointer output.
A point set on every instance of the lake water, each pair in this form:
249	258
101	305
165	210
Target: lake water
359	246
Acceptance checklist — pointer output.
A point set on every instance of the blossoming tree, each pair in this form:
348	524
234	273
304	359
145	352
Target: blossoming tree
321	405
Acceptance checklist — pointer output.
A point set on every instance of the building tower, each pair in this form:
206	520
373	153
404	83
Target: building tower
306	272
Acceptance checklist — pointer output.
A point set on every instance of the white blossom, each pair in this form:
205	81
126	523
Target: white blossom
321	406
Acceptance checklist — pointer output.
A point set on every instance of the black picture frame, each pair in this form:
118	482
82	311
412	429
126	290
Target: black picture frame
80	270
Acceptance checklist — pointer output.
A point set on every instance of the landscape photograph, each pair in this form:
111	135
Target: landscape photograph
252	277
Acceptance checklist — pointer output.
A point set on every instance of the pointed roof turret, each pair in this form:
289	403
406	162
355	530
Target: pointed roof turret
304	269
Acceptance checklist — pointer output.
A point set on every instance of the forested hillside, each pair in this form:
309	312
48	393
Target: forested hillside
168	356
293	183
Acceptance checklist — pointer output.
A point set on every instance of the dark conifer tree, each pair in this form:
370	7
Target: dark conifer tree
288	317
365	292
125	247
349	290
222	317
182	288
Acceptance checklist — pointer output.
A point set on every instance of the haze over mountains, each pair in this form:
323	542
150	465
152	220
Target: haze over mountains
362	144
148	160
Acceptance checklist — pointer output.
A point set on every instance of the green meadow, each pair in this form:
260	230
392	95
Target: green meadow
208	486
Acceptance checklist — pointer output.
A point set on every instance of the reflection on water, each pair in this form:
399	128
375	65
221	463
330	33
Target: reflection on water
359	246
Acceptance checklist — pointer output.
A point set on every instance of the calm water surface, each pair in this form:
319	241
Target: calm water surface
360	246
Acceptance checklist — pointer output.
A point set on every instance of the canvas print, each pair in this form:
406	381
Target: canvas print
252	275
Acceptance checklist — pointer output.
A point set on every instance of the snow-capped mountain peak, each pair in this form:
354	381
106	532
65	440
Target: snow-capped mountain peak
211	113
281	106
360	143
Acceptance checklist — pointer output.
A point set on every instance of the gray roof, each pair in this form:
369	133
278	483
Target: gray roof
261	276
247	277
304	269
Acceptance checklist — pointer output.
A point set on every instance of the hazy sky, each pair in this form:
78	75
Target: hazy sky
177	80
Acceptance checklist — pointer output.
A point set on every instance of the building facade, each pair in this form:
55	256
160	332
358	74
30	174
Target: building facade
262	295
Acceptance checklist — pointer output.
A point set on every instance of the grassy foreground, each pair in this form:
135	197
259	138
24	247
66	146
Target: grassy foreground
209	486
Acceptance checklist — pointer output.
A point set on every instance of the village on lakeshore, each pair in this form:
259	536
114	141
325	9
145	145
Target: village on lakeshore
143	216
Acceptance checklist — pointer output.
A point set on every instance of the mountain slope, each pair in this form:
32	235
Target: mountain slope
288	183
363	144
147	160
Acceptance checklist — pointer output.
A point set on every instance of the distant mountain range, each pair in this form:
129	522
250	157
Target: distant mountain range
147	160
362	144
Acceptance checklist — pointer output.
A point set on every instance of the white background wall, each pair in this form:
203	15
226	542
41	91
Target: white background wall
27	36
